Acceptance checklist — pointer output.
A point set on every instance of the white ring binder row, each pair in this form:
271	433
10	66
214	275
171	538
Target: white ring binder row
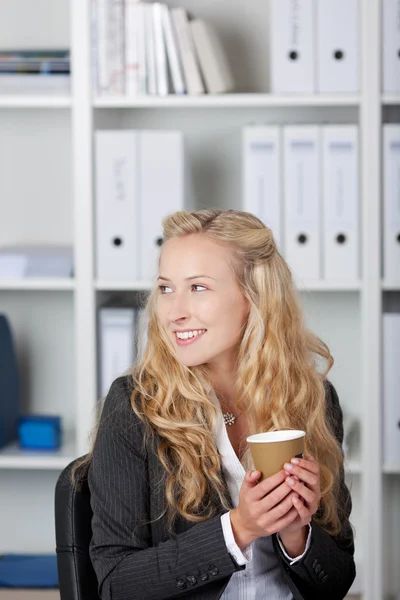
302	181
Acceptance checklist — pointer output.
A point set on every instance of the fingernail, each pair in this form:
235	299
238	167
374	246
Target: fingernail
295	461
288	467
290	481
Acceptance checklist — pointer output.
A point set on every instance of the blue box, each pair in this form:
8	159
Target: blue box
28	571
39	432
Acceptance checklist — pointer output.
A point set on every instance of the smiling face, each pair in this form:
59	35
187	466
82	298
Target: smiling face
198	291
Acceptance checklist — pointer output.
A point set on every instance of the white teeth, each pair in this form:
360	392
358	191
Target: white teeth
190	334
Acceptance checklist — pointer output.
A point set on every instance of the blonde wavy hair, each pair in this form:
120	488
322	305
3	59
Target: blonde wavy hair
278	383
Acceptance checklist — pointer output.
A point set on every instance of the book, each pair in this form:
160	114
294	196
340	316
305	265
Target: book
131	48
159	49
172	52
187	52
150	52
214	65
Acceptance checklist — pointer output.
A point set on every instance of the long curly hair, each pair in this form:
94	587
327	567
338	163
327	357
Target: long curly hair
281	367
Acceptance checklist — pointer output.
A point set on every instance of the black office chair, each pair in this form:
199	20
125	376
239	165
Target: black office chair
73	518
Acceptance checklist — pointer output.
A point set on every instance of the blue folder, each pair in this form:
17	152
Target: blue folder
28	571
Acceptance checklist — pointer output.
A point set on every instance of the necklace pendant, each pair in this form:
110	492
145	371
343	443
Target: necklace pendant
229	418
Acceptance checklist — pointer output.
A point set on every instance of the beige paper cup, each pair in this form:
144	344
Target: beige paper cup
272	449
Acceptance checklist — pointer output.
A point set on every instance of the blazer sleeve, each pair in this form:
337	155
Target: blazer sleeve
327	570
126	563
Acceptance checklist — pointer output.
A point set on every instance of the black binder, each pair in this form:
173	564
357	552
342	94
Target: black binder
9	386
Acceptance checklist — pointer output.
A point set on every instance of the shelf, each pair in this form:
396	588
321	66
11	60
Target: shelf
391	99
304	286
391	286
48	284
225	101
12	457
329	286
391	469
124	286
34	101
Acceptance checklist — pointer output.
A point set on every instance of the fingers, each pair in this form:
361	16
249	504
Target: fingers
276	510
303	512
304	479
305	492
251	479
305	470
285	521
266	486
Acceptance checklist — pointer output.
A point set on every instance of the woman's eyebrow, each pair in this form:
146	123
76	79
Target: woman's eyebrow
187	278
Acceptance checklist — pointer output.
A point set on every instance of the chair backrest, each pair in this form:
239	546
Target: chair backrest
73	518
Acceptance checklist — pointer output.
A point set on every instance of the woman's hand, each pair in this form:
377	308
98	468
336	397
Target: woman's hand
264	508
303	478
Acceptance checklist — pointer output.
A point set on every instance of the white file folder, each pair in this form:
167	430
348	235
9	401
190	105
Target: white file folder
391	390
337	45
162	185
302	201
141	331
116	204
391	45
262	175
116	332
292	46
391	196
340	183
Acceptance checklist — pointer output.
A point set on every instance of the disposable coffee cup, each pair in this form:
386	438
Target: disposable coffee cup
271	450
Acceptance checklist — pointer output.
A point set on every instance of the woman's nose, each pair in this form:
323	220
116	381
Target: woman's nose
179	309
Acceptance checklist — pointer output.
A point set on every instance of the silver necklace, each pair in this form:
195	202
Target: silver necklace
229	418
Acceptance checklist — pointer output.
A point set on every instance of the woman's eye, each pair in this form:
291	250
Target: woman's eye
162	288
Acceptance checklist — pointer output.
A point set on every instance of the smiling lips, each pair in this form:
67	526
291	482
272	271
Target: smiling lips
197	333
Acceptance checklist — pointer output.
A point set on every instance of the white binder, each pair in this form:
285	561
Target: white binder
391	389
116	332
301	183
262	186
391	195
391	45
340	183
162	185
116	177
337	45
292	46
141	326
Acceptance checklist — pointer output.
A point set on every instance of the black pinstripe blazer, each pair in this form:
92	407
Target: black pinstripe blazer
135	559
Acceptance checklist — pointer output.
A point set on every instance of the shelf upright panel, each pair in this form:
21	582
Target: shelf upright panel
82	125
370	124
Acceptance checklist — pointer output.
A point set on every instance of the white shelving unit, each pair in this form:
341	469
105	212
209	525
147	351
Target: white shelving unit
34	101
37	284
227	100
49	140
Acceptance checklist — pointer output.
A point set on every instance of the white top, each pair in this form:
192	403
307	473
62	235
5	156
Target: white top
262	577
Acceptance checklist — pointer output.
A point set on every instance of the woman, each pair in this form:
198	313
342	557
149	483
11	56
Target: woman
177	510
